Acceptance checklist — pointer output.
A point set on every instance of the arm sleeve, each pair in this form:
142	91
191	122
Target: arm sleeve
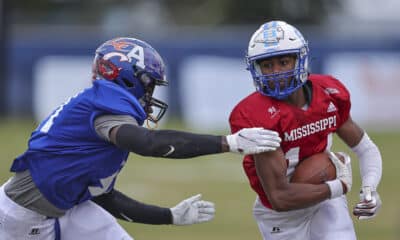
166	143
370	161
128	209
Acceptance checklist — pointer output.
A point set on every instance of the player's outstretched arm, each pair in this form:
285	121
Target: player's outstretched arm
253	141
125	208
189	211
179	144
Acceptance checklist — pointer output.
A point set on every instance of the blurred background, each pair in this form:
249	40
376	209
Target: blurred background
46	51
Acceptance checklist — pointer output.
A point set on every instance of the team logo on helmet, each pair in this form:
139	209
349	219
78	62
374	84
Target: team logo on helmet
271	36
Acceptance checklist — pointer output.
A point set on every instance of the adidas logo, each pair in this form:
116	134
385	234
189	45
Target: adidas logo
331	108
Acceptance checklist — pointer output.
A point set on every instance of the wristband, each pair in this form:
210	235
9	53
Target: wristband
232	143
336	188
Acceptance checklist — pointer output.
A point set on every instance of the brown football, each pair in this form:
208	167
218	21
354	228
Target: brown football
315	169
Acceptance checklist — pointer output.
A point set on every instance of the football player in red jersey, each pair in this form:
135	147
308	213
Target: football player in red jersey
306	109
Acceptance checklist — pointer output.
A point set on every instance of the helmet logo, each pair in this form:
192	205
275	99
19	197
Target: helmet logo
137	53
120	45
107	69
271	36
123	57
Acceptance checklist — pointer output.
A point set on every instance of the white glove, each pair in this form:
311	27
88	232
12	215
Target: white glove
253	141
192	210
369	204
343	173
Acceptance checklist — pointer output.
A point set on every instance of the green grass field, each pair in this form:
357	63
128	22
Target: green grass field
220	179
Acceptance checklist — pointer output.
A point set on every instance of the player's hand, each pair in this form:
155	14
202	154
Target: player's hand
369	204
253	141
192	210
343	169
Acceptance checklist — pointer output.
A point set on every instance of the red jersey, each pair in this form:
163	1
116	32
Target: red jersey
303	132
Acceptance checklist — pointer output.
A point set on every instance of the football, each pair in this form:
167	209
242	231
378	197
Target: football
315	169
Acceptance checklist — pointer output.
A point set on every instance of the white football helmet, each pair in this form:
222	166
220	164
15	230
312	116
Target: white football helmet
272	39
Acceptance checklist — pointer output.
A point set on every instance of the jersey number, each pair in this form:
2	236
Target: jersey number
293	159
47	125
106	184
293	155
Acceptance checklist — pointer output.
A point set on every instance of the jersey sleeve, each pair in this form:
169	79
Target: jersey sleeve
110	99
253	112
103	124
342	99
238	120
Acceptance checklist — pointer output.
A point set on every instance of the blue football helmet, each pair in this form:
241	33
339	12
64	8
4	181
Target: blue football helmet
272	39
135	66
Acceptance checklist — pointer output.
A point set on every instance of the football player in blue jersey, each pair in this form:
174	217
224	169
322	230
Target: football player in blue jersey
63	186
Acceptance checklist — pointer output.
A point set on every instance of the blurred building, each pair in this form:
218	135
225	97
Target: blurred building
49	47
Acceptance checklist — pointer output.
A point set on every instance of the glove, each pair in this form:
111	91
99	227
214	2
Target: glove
253	141
192	210
369	204
343	173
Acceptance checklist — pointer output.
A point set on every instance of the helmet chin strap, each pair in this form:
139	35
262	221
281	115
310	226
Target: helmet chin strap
150	123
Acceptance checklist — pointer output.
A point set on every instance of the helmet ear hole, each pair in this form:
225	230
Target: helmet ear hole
145	79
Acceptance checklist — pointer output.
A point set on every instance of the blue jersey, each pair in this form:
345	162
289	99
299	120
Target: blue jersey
68	161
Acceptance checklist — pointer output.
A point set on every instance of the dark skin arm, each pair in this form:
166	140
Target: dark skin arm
350	133
283	195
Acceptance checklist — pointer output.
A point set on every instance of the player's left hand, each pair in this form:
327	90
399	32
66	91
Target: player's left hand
343	170
369	204
192	210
